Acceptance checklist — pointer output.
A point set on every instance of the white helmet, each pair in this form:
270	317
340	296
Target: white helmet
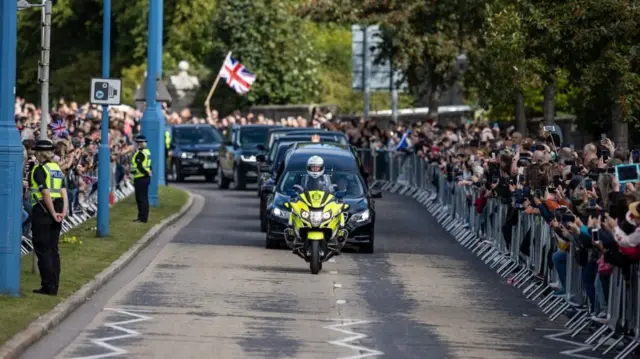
315	166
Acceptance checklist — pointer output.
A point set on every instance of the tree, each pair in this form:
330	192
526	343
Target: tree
267	38
76	46
423	38
602	37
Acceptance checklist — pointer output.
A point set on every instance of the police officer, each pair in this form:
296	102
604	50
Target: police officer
141	177
49	206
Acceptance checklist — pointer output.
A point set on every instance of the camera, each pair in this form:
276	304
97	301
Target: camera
103	91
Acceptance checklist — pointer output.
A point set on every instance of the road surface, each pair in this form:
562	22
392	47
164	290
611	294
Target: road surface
207	288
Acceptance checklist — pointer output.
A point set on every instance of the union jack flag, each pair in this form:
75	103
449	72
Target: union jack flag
236	75
59	128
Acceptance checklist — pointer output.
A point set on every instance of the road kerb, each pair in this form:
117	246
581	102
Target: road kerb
20	342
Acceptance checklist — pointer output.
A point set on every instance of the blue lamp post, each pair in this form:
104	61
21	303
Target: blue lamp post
104	154
160	163
152	113
10	155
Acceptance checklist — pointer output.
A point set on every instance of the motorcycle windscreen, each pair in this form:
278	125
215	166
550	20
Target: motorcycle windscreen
315	236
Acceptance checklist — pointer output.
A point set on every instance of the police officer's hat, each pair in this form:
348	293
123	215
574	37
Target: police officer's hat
141	138
44	145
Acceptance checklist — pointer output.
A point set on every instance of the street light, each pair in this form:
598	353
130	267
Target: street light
43	65
462	62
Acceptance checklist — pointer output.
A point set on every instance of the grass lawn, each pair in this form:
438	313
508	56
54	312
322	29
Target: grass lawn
83	260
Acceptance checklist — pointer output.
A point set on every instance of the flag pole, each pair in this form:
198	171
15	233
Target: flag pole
215	84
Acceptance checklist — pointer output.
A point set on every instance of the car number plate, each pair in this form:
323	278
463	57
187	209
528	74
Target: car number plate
210	165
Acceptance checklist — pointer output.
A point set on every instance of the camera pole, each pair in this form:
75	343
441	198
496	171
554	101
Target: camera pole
44	68
104	155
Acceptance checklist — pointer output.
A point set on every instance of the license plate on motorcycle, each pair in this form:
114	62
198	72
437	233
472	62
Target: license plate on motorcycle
210	165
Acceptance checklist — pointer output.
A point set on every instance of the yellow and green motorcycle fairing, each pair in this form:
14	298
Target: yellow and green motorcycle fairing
317	210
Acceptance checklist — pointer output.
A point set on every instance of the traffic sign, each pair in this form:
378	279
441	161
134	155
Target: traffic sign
379	73
106	91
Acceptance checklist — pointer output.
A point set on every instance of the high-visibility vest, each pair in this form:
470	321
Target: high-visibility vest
146	164
167	139
54	178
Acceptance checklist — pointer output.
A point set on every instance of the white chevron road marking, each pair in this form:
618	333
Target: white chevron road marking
364	352
129	333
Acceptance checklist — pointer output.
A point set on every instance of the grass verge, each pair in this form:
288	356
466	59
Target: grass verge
83	259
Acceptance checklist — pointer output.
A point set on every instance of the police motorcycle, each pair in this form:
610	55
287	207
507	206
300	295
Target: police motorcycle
316	228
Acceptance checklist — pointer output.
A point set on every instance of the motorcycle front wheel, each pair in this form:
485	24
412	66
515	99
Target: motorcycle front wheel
314	262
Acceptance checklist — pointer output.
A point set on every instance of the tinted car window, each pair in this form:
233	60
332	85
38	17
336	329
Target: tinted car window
252	136
275	151
197	135
346	181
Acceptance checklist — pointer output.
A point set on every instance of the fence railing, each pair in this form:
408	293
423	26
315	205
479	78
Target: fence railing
520	247
88	207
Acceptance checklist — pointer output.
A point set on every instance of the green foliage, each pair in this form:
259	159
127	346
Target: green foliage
267	38
76	49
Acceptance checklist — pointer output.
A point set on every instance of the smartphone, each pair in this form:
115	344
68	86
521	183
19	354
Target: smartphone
537	193
573	148
595	235
588	184
493	155
603	138
635	156
566	218
592	203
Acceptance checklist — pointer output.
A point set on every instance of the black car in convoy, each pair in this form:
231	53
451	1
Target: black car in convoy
270	164
193	152
237	158
278	132
266	161
345	173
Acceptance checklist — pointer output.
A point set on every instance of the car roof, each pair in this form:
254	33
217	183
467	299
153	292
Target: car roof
289	129
255	126
335	157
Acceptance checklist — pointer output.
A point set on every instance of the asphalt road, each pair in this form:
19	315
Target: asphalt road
207	288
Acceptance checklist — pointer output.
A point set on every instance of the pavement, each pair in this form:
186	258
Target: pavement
207	288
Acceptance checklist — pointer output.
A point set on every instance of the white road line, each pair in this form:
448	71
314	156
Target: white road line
332	260
364	352
333	272
337	285
341	301
130	333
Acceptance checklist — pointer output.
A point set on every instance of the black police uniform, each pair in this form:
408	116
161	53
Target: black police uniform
44	227
141	179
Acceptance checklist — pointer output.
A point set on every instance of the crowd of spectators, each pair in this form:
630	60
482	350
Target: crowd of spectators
75	132
589	197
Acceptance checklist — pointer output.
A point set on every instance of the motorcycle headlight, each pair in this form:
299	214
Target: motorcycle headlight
280	213
304	214
361	217
187	155
326	215
248	158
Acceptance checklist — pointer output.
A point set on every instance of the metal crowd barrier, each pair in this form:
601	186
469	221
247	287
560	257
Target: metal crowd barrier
89	208
525	262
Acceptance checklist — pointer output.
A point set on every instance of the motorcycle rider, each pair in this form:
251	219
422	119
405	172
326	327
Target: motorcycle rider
316	179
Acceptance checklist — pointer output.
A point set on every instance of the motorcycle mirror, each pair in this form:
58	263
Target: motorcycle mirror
287	205
345	207
341	194
298	188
